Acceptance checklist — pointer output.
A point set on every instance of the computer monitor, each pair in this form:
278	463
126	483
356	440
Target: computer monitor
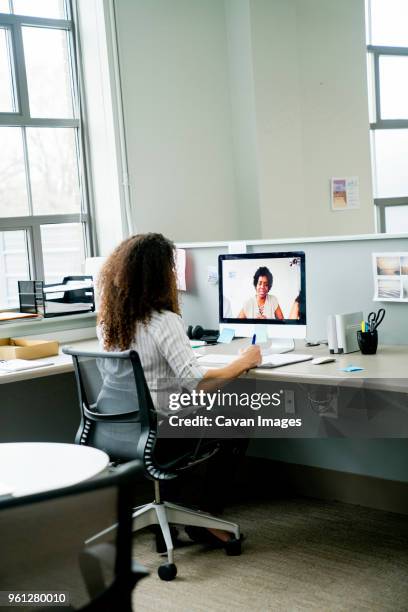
263	289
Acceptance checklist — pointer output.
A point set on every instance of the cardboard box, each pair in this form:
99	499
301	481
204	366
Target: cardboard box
21	348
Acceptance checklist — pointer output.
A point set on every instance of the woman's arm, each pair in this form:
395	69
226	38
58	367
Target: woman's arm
294	311
241	314
279	313
250	358
175	347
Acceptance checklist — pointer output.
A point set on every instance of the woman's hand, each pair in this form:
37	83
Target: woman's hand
251	357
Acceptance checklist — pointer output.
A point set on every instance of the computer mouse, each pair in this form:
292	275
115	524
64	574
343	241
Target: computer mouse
321	360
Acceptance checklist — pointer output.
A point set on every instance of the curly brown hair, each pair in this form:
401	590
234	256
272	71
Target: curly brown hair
137	279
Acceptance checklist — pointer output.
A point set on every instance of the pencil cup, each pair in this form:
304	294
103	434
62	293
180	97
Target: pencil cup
368	342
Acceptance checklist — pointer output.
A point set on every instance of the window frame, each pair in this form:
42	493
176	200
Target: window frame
21	118
376	51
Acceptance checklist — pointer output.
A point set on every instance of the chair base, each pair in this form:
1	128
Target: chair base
164	513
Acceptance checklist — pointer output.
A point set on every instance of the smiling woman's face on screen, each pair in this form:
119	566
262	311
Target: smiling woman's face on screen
262	287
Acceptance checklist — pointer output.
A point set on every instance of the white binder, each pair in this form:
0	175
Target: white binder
342	332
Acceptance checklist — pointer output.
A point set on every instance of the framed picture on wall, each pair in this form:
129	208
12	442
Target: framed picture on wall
390	272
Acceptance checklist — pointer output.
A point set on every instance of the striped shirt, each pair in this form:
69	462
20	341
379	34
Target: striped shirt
168	361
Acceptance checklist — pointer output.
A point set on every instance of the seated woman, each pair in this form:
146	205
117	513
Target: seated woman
139	310
262	305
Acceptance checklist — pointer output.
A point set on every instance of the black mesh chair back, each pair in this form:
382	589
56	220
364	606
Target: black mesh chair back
117	411
43	543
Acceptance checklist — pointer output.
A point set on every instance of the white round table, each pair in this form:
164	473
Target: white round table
32	467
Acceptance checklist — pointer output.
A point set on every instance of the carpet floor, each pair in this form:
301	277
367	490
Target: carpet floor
298	555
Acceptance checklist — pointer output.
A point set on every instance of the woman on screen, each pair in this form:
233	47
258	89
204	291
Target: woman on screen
262	305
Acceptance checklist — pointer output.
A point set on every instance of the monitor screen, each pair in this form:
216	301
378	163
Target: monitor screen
267	288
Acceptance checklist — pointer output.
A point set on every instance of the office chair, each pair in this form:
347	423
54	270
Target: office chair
46	544
119	418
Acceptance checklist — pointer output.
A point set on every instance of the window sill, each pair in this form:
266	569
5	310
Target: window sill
63	329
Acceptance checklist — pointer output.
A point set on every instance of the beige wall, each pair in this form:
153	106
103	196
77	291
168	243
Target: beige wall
238	113
176	99
312	114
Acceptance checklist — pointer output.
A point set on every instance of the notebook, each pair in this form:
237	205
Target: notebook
268	361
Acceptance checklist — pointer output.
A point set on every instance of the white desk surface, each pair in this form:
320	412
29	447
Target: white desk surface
387	370
33	467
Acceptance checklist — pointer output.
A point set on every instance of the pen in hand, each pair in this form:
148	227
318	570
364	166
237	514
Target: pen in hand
252	355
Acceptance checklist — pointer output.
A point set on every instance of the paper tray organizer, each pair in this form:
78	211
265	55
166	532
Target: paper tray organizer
74	295
21	348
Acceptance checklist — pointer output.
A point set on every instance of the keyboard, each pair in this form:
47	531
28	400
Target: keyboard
268	361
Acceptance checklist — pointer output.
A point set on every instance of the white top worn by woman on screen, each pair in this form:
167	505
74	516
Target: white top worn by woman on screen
262	305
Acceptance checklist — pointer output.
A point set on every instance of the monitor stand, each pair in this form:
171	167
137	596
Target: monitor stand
272	346
275	346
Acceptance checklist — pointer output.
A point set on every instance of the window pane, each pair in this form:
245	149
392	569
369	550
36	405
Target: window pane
4	6
394	87
48	73
14	266
13	187
391	154
389	20
53	170
40	8
63	250
396	219
7	99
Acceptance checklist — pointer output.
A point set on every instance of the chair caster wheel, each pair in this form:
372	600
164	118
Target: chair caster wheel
233	547
167	571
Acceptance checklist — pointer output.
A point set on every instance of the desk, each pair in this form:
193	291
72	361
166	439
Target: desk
387	370
370	403
42	405
32	467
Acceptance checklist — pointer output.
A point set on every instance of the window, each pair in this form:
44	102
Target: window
44	219
387	37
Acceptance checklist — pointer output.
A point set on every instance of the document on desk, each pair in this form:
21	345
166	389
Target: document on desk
18	365
268	361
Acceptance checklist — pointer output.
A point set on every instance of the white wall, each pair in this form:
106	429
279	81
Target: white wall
309	63
173	60
238	112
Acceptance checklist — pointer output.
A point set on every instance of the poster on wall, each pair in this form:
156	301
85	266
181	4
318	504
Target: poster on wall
390	277
345	193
